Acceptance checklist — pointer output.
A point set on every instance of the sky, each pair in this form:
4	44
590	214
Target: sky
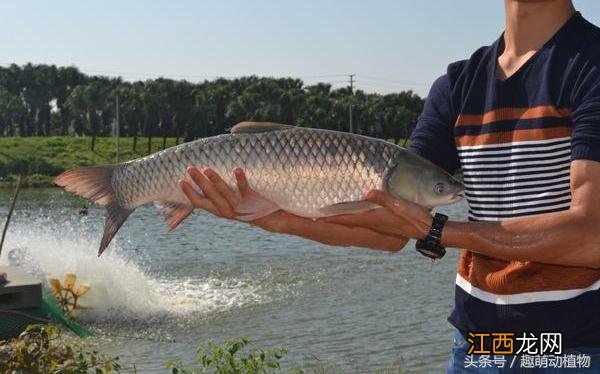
391	45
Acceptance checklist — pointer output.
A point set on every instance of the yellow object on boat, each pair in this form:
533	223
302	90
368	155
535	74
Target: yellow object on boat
66	294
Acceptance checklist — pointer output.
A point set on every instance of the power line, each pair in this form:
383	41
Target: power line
384	86
351	97
322	76
345	82
388	80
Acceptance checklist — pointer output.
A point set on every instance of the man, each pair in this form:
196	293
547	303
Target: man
521	118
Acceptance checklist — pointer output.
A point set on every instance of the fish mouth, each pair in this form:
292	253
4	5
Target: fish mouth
458	196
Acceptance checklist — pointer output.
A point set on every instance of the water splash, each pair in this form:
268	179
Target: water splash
121	289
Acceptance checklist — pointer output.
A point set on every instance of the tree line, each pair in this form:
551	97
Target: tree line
46	100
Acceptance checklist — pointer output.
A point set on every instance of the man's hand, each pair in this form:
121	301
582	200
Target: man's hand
221	200
567	238
395	217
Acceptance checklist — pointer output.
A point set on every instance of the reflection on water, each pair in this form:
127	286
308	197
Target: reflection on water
155	294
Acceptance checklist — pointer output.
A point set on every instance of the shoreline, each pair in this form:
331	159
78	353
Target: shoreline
45	182
12	185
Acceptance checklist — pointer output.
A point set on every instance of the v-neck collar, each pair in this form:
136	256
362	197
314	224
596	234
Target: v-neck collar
499	44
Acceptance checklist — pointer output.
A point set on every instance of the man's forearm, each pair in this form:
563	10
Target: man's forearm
341	236
569	238
333	234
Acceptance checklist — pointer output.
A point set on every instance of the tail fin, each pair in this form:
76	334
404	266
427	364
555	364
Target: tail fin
95	183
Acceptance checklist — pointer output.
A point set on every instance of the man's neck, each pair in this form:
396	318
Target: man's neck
528	26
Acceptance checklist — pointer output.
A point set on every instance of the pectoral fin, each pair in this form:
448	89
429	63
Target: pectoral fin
347	207
254	207
174	213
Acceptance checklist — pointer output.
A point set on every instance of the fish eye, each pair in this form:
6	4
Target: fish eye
439	188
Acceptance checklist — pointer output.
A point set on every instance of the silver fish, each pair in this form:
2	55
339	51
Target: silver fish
309	172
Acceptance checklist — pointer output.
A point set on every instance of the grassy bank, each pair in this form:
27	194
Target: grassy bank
42	158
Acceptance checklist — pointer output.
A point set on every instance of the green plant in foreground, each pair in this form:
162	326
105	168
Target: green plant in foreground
37	350
231	357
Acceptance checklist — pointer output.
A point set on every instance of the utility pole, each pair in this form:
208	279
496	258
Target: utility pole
351	100
117	128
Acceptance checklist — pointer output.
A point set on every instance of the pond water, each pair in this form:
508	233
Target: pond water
155	295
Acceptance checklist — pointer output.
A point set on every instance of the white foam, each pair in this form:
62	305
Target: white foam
120	288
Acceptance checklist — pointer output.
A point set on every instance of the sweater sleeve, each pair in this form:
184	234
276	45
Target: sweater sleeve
585	139
433	137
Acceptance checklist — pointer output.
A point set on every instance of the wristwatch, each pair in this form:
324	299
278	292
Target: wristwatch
430	246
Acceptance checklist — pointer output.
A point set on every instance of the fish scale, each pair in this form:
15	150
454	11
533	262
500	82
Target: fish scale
349	169
308	172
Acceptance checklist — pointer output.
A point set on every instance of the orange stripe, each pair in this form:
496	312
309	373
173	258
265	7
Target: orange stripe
505	278
513	136
504	114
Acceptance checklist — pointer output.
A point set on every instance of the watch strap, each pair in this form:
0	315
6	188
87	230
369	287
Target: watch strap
430	246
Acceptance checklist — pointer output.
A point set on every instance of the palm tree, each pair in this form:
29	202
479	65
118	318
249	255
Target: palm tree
88	101
12	111
131	109
67	79
204	112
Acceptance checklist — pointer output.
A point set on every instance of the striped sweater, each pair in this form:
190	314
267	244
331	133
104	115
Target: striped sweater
514	140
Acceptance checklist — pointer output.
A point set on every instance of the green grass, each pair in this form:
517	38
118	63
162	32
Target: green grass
41	158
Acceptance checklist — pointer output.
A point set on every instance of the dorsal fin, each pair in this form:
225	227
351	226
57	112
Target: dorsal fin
248	127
